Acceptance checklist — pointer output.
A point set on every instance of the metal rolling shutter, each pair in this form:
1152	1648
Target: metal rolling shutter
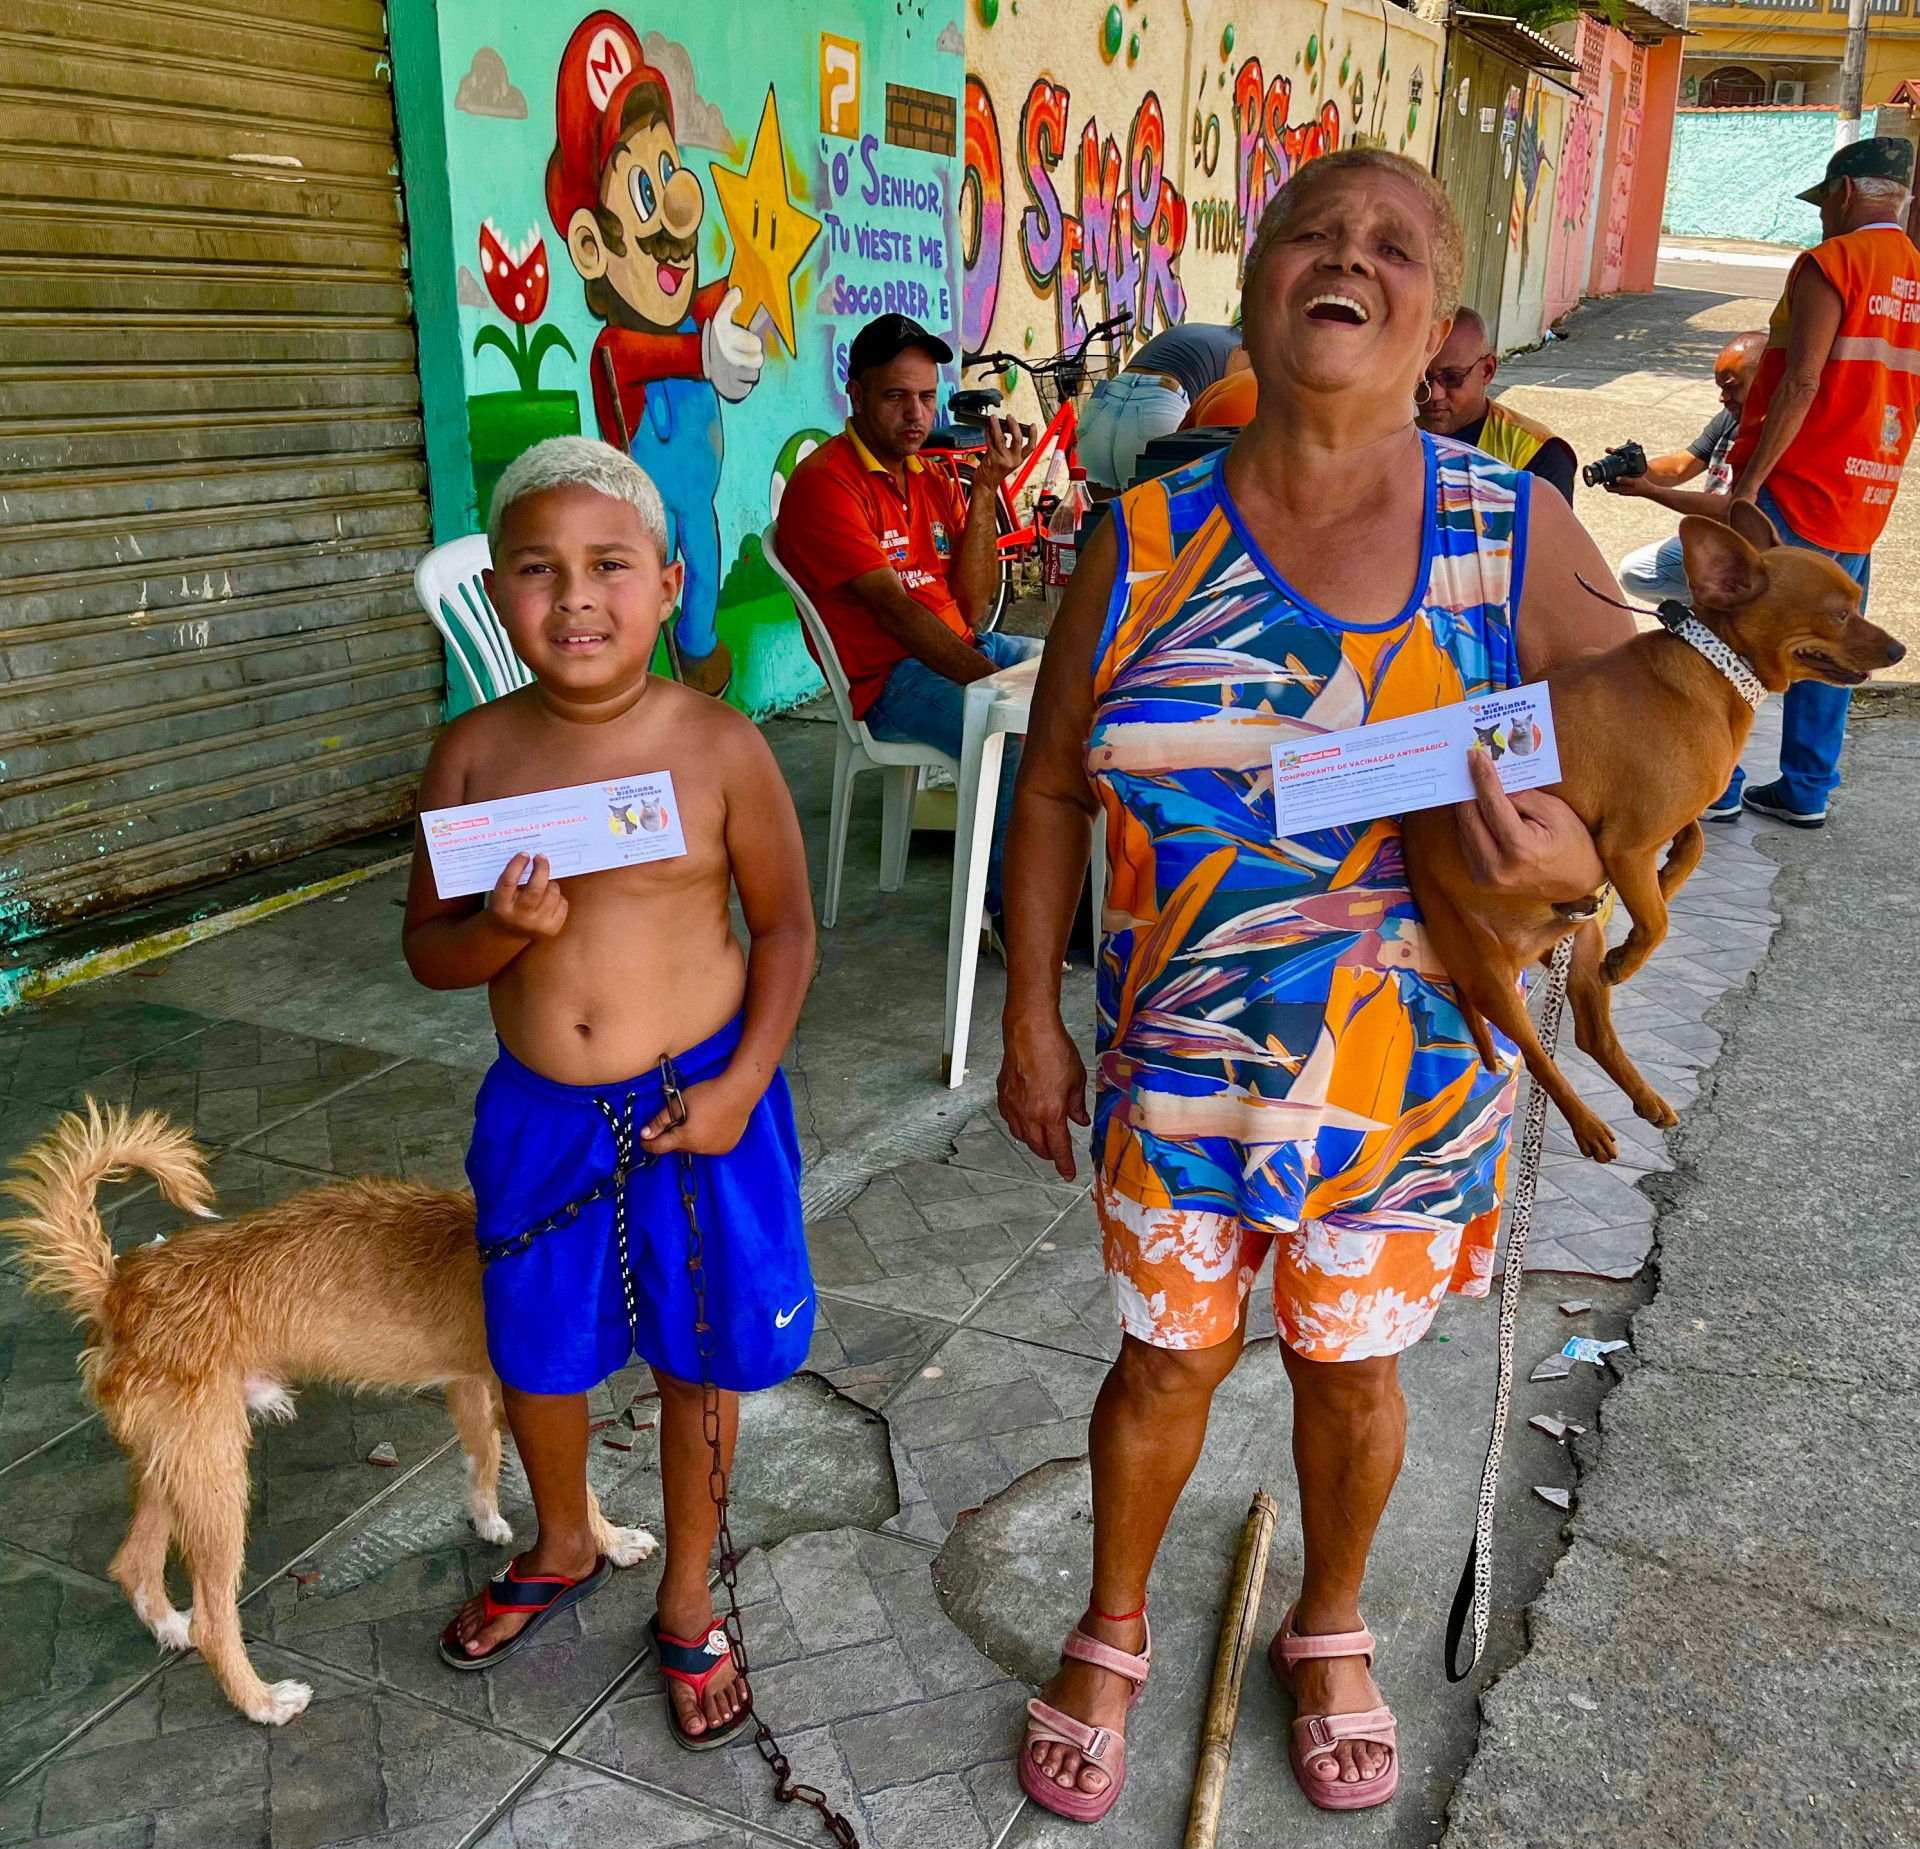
212	484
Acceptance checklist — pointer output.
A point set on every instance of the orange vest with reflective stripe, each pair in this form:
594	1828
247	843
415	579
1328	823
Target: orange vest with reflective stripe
1837	481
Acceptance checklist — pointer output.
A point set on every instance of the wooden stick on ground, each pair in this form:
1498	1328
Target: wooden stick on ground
1237	1625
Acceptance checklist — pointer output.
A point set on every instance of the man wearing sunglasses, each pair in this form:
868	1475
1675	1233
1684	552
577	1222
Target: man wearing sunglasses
1455	404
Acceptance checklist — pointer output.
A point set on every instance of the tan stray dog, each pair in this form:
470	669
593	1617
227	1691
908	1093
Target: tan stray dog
1649	734
361	1283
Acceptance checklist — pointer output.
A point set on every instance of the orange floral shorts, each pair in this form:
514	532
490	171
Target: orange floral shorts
1347	1287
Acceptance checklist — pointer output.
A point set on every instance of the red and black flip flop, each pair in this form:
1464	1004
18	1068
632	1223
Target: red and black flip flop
696	1664
510	1590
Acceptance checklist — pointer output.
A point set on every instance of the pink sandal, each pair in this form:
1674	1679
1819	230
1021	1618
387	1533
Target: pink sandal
1315	1735
1099	1746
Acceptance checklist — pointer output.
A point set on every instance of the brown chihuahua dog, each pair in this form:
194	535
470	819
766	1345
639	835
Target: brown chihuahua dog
1649	734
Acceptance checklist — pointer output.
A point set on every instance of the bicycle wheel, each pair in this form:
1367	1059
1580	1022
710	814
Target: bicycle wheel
1003	592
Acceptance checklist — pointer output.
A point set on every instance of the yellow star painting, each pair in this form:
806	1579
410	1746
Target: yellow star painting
770	233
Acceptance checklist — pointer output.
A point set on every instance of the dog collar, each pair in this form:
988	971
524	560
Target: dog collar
1680	621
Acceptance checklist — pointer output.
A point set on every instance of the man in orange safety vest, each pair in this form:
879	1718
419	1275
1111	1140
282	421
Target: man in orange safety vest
1827	425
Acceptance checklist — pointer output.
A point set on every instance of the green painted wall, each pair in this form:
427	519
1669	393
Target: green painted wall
1735	172
806	203
419	103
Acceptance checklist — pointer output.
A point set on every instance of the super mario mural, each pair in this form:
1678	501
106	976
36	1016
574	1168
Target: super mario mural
674	252
630	211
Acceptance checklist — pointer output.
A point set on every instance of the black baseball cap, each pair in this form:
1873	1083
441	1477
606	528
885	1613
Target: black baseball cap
889	336
1880	157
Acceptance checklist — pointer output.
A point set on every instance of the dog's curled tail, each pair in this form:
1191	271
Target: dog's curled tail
61	1241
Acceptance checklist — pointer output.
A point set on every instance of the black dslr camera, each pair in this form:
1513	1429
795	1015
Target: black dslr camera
1616	465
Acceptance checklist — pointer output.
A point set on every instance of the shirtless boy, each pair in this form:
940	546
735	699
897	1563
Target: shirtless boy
592	982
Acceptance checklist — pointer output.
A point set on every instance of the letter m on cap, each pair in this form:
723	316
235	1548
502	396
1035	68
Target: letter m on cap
609	58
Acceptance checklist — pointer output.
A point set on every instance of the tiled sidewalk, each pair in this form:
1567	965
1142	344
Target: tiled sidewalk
964	1331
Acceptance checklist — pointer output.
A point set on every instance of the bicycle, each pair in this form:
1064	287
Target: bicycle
1057	383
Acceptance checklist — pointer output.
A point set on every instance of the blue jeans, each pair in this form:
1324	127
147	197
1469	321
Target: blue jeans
920	705
1122	418
1813	721
1655	572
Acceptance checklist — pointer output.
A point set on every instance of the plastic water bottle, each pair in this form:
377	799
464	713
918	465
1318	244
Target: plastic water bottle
1062	538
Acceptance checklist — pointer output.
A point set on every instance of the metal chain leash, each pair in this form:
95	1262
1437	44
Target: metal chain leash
629	1158
785	1790
615	1184
1474	1597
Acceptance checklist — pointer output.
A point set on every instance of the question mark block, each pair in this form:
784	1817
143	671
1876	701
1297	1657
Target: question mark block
839	86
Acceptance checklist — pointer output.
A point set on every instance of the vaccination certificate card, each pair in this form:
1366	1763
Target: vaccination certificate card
1418	762
585	829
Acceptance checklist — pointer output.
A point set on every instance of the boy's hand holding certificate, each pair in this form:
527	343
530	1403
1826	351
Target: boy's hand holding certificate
588	828
1419	762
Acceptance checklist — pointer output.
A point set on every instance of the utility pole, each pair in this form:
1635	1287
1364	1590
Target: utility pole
1853	75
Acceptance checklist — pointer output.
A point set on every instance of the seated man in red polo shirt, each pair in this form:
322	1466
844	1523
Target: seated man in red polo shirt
898	564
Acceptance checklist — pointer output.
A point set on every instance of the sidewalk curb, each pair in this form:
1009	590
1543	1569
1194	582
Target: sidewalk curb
20	987
1746	259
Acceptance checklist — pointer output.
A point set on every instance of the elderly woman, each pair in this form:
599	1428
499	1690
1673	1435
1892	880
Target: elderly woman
1282	1066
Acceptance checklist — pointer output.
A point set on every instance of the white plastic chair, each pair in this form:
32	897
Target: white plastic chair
856	751
447	583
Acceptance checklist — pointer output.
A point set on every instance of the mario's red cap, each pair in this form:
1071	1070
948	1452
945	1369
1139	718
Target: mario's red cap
600	67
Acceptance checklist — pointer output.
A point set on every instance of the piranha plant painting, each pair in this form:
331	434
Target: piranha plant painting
501	424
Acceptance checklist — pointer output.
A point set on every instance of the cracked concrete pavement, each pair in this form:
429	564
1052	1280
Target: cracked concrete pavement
964	1328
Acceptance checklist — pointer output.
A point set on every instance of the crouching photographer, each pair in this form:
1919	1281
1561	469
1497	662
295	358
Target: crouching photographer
1655	572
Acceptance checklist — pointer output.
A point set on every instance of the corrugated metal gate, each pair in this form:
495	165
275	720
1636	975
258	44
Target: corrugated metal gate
1479	118
212	485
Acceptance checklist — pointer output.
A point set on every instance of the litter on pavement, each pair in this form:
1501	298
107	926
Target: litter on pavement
1560	1498
384	1455
1585	1348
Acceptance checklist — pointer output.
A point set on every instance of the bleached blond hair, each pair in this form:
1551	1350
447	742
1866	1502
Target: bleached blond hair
578	462
1449	246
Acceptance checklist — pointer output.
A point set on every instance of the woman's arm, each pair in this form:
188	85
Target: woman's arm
1558	618
769	863
1043	1082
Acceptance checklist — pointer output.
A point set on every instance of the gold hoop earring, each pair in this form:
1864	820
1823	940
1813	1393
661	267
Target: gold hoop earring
1423	394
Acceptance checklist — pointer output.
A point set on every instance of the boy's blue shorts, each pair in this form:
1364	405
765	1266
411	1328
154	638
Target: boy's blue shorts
556	1319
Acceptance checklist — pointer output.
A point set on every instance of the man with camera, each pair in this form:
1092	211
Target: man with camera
1453	402
1827	426
1655	572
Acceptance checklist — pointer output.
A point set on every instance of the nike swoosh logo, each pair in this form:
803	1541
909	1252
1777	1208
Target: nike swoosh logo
780	1321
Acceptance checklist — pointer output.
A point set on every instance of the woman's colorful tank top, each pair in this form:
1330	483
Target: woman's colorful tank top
1276	1041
